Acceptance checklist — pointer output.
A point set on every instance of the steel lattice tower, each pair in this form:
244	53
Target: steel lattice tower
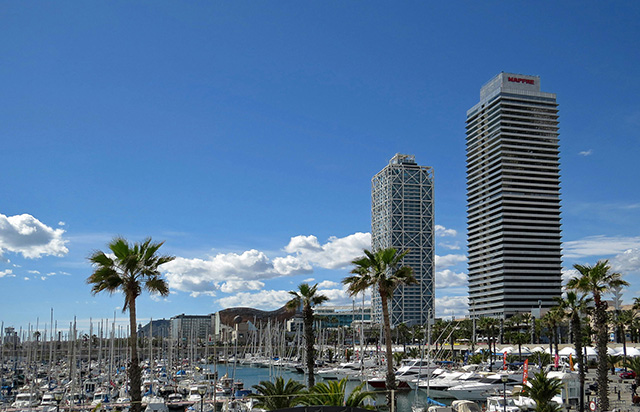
402	217
513	198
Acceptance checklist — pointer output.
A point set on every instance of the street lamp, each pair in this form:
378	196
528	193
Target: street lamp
505	378
202	390
58	398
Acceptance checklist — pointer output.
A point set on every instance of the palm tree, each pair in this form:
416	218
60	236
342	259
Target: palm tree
598	280
519	338
307	297
271	396
552	319
623	320
542	390
490	327
634	365
383	271
575	307
332	393
129	268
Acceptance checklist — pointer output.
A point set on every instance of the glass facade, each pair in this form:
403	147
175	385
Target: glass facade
513	198
402	217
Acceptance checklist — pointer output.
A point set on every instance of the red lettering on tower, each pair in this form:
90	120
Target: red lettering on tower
520	80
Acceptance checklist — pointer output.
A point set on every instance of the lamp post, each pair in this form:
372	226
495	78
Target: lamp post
202	390
58	398
505	378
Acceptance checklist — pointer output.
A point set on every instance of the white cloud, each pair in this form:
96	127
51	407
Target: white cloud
627	262
199	276
61	223
451	306
442	231
599	246
450	246
326	284
567	274
265	300
450	279
232	272
586	152
291	265
33	272
28	236
335	254
26	278
7	274
449	260
233	286
309	280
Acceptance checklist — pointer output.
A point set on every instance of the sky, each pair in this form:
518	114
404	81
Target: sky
244	135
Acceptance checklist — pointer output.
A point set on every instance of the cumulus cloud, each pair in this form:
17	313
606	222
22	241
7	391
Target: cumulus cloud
291	265
7	274
336	253
235	272
627	262
26	235
265	300
442	231
233	286
451	306
599	246
450	279
567	274
586	152
199	276
449	260
326	284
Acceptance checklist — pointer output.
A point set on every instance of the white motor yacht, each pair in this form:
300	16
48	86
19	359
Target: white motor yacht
481	389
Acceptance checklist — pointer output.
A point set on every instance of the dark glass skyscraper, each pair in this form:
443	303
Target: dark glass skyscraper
513	198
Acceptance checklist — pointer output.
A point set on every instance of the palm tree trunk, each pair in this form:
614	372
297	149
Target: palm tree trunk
577	336
309	340
391	377
135	379
601	349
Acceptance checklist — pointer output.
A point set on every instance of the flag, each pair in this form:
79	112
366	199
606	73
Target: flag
571	362
557	360
504	361
525	371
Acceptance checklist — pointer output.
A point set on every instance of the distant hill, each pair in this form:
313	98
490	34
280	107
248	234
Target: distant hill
255	316
160	328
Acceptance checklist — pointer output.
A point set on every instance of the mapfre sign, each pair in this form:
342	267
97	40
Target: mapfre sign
520	80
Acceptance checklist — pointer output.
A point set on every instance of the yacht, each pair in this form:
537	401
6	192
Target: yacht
479	390
438	387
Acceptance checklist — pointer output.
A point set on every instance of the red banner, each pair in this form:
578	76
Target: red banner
504	361
557	361
525	371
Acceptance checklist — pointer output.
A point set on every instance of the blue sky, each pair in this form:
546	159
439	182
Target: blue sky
245	135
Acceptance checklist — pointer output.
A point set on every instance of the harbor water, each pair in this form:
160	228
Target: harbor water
250	376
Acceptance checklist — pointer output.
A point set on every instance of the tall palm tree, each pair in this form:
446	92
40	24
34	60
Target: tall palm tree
383	271
624	320
542	390
575	306
279	395
307	297
490	327
130	268
552	320
598	280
